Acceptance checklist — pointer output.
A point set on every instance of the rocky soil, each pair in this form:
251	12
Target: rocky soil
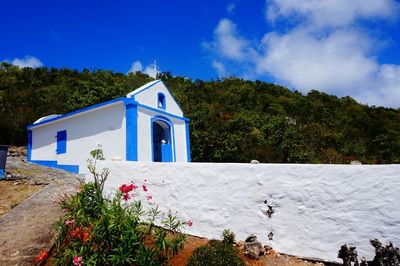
28	227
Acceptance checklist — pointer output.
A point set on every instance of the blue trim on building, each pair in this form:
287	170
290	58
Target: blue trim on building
54	164
1	173
171	126
162	112
131	130
189	158
29	148
77	112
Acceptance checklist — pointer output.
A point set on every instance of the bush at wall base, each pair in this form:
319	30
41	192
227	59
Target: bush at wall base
216	253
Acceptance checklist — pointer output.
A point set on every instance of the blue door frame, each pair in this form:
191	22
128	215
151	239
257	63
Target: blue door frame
162	140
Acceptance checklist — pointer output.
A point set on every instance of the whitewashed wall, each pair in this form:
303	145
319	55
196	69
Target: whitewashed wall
104	125
318	207
144	136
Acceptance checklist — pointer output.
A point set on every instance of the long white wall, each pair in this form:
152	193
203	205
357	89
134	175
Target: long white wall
105	126
317	207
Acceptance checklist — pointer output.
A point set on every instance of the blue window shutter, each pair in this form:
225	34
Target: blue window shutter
61	142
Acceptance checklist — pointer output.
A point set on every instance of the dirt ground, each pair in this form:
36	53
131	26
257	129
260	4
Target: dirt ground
12	193
272	259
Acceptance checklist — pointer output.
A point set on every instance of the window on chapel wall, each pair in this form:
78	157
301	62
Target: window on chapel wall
161	100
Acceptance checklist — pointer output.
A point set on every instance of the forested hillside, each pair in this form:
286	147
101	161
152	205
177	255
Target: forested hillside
232	120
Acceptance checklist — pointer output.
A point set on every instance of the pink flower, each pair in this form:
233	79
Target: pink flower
77	261
144	188
69	222
65	210
189	223
149	197
126	196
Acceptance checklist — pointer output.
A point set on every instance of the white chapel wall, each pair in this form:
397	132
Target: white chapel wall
149	97
104	125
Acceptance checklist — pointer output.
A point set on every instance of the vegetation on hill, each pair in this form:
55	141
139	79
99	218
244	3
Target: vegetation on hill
232	120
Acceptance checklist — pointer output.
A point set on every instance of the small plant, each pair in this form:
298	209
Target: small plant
349	255
228	237
216	253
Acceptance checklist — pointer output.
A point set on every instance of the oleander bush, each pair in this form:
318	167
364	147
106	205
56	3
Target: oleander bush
216	253
99	231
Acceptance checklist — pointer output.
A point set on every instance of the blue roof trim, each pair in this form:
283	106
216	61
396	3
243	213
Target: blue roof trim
77	112
162	112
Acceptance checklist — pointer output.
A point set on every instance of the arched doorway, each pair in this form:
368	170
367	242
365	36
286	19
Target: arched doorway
162	141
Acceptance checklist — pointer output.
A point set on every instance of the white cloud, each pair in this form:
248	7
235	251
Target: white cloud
220	68
27	61
136	66
325	49
152	69
333	63
331	12
227	41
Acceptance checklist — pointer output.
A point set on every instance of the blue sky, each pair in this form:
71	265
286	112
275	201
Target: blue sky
343	47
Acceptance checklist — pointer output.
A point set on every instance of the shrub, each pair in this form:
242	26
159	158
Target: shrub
384	255
215	253
228	236
99	231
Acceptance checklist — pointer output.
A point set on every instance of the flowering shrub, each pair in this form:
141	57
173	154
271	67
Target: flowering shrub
99	231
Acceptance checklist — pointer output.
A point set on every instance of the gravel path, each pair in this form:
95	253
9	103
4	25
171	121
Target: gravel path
28	228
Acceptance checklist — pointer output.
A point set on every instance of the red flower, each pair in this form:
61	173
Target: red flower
144	188
149	197
75	232
86	236
127	188
126	196
189	223
42	256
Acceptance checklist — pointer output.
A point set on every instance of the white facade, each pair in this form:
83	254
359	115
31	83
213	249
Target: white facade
147	125
317	208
